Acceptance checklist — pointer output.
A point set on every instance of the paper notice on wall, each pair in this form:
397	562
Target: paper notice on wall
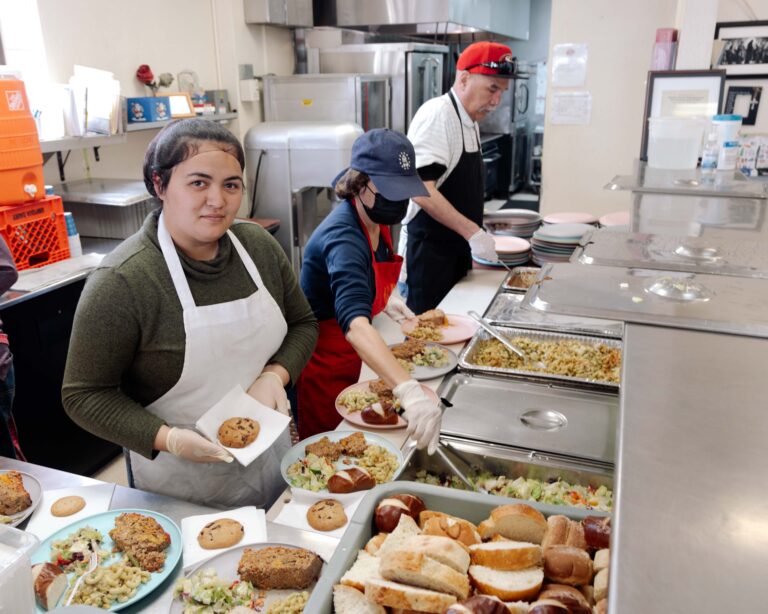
541	88
569	65
573	108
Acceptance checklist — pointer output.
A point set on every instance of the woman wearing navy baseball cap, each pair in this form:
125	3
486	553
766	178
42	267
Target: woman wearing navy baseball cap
349	272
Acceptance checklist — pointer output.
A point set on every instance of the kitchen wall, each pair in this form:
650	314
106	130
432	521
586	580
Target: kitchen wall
579	160
207	36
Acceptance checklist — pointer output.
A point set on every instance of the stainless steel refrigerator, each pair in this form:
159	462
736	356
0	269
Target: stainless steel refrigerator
415	71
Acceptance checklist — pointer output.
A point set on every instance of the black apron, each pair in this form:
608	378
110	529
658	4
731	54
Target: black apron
436	256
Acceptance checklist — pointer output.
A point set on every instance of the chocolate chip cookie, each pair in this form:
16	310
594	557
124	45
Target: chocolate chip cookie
326	515
238	432
220	533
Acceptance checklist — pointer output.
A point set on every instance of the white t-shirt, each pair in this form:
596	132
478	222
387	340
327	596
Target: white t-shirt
436	135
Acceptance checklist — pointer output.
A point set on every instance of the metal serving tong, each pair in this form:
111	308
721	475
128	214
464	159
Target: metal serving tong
504	341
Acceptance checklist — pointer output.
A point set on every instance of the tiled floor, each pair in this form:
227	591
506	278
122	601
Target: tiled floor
114	472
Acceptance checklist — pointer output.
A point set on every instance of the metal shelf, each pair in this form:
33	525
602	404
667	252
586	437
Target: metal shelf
81	142
217	117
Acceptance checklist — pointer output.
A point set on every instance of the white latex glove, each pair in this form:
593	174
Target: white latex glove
269	390
397	309
423	415
483	246
192	446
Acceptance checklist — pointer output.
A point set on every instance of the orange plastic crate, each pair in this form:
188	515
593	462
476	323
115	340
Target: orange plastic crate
36	233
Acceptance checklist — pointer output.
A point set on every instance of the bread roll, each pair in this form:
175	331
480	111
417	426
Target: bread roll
389	510
50	582
570	597
567	565
506	555
601	585
443	549
601	607
597	531
350	480
562	531
507	585
381	412
548	606
437	523
519	522
479	604
602	559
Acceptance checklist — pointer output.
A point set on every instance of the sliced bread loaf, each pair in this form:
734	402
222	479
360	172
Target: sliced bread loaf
518	521
348	600
397	595
506	555
507	585
366	567
418	569
406	528
443	549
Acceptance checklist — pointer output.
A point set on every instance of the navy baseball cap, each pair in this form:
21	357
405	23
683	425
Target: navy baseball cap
387	157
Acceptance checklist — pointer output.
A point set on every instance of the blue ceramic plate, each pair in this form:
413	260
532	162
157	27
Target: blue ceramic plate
104	523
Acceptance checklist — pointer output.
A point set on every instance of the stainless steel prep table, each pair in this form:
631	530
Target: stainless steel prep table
159	601
691	519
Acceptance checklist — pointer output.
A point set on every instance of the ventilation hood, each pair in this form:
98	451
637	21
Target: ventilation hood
443	20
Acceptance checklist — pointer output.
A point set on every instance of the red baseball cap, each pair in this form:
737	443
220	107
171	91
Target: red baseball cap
487	58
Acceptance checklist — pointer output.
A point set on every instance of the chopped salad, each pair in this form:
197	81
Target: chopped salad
311	472
72	552
205	593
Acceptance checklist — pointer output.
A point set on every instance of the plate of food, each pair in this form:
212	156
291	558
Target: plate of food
266	577
20	494
424	359
436	325
371	404
341	462
137	550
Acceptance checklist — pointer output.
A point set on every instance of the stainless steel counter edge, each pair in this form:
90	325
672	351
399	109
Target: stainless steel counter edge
691	521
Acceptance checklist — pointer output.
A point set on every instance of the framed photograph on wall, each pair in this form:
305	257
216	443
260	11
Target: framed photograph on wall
181	105
741	49
681	93
745	97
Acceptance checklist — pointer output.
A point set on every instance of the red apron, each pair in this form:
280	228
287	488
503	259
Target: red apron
334	365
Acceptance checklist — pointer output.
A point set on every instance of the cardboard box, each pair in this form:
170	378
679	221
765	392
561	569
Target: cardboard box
148	109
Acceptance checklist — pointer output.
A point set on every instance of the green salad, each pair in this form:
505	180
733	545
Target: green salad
432	356
206	593
75	549
311	472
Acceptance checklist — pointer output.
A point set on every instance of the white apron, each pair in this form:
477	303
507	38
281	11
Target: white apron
226	344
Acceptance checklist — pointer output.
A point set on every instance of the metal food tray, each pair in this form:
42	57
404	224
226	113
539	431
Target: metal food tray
482	335
471	506
505	309
515	271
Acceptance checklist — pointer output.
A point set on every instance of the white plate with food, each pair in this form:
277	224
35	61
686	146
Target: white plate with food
424	360
436	325
117	582
20	494
370	404
341	462
255	576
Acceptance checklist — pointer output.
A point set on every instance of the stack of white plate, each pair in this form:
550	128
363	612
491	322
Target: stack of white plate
618	220
512	222
512	251
570	217
556	242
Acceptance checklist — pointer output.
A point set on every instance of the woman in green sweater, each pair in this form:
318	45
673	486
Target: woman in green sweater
179	314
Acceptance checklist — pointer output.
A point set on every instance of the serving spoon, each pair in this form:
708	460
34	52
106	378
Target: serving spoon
504	341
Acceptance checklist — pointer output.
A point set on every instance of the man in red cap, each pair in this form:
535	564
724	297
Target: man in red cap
442	231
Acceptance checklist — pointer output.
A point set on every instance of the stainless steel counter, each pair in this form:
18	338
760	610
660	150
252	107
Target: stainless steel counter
159	601
691	520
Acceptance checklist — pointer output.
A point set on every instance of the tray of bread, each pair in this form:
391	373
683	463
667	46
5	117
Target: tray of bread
135	550
341	462
20	494
428	549
264	577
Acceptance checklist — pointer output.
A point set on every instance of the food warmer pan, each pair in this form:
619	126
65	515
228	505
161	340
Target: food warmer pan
716	256
505	310
712	303
466	358
573	423
471	506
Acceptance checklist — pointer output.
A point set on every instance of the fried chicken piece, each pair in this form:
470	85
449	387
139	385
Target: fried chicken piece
354	444
142	539
326	448
409	348
380	388
13	496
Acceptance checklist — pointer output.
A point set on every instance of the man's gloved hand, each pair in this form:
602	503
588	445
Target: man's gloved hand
483	246
397	309
423	415
192	446
269	390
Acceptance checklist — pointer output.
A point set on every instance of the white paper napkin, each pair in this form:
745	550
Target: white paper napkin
254	524
294	513
43	524
237	403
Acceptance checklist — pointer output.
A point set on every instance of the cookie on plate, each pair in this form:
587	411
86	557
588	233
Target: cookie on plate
66	506
220	533
326	515
238	432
